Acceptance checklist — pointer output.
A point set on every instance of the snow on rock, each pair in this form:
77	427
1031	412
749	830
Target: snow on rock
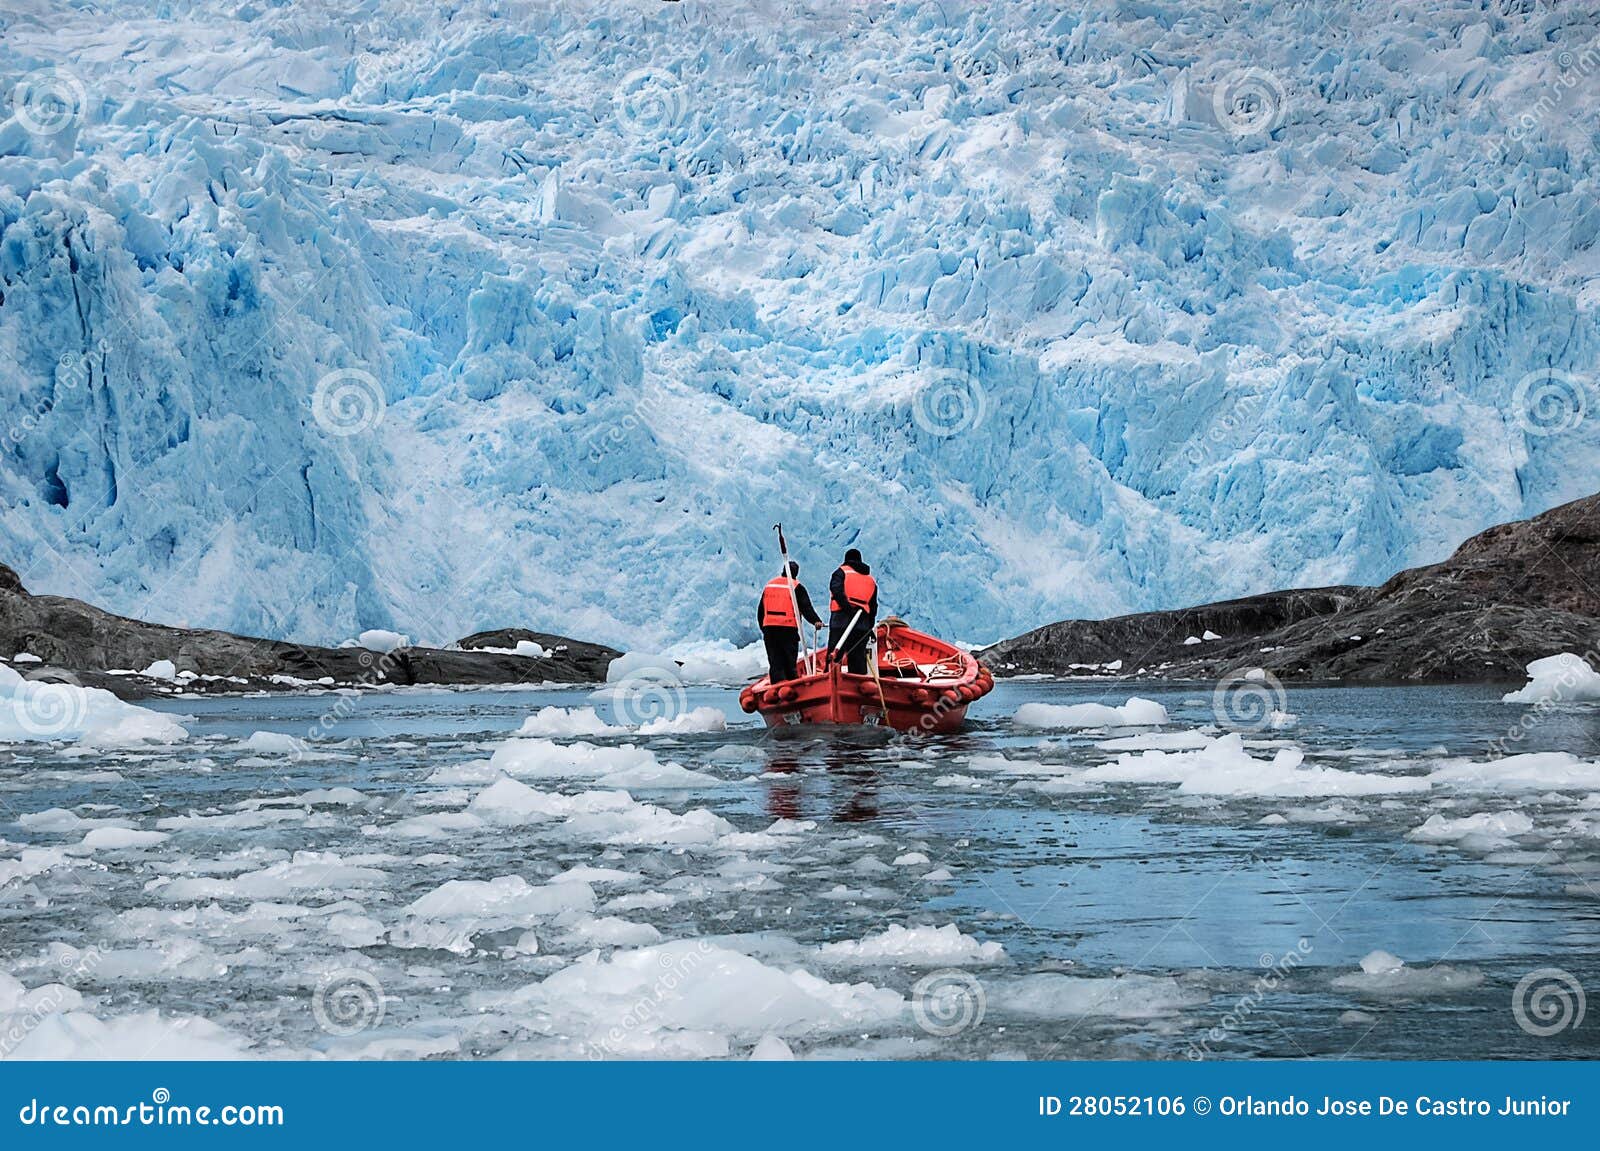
44	710
161	669
382	640
914	947
1384	975
1136	712
1564	678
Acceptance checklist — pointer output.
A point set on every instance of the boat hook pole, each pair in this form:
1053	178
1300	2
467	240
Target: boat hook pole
794	601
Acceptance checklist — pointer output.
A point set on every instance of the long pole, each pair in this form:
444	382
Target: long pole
794	600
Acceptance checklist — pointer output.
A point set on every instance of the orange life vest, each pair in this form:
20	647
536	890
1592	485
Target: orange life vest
859	588
777	606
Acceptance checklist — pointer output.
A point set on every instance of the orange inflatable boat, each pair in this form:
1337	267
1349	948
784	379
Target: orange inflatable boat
923	684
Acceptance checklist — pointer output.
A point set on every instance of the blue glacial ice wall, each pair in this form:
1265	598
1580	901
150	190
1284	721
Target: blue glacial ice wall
316	318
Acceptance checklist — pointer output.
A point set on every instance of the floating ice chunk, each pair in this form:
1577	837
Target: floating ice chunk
531	758
1564	678
914	947
1158	741
561	721
771	1049
1209	635
351	930
691	987
609	931
1383	974
306	871
1482	832
1381	963
118	838
1190	641
1356	1018
60	819
33	861
509	802
1054	996
1223	767
273	741
1136	712
1533	771
644	823
698	720
46	710
161	669
450	916
911	859
596	876
144	1036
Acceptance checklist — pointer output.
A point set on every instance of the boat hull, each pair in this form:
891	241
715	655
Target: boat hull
923	684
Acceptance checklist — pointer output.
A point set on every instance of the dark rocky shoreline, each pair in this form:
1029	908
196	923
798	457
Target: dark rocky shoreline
1507	596
72	636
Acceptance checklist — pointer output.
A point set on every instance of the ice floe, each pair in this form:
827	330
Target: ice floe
1136	712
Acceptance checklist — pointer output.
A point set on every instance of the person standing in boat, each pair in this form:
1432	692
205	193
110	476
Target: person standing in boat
852	590
780	630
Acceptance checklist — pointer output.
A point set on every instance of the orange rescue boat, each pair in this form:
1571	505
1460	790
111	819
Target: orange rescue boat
923	684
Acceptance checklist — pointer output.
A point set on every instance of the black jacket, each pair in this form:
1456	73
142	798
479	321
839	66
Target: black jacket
841	619
802	597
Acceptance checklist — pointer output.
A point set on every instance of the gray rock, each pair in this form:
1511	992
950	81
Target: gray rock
1508	596
77	637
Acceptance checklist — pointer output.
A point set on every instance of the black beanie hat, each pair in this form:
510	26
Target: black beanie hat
853	556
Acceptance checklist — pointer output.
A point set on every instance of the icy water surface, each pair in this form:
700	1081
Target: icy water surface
421	884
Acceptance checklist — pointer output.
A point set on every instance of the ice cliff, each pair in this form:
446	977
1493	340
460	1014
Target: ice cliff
317	318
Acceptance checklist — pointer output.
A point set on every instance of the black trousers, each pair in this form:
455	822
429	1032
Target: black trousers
783	649
855	648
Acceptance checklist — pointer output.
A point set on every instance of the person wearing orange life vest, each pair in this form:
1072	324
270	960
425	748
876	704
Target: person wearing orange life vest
852	589
780	630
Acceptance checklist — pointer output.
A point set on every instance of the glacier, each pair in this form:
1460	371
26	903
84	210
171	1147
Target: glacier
317	319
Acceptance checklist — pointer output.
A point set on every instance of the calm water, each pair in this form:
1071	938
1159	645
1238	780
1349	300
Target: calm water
1136	919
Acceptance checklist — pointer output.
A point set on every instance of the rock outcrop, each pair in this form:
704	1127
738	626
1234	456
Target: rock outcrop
1506	597
73	636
